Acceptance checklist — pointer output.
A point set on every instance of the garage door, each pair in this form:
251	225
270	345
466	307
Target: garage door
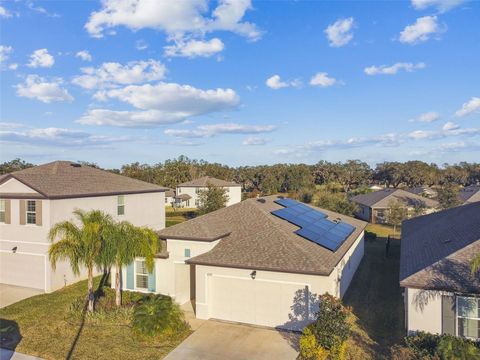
259	302
22	270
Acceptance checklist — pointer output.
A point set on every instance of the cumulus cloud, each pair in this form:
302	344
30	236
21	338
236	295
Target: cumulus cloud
393	69
84	55
194	48
441	5
41	58
112	74
254	141
4	13
322	79
216	129
421	31
5	52
470	107
340	32
275	82
427	117
39	88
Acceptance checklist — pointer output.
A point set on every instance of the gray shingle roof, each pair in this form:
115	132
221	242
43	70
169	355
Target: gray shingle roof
382	198
253	238
436	250
64	179
204	181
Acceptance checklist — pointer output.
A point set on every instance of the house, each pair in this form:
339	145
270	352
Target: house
425	191
469	194
169	197
373	207
261	261
187	194
34	199
441	295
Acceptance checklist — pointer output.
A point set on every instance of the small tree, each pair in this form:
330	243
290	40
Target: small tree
211	199
337	202
397	212
448	196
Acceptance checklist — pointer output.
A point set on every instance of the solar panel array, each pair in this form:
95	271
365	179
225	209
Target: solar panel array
314	225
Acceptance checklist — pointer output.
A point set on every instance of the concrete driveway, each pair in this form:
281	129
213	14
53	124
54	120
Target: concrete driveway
10	294
215	340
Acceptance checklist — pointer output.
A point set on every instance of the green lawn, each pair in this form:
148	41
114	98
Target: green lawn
178	216
48	331
383	230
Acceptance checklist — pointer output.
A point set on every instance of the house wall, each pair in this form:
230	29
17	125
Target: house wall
363	213
234	194
424	311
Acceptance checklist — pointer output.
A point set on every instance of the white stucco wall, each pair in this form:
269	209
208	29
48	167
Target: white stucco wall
234	194
424	310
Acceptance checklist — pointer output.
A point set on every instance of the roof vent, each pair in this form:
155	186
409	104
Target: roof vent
263	201
280	197
75	165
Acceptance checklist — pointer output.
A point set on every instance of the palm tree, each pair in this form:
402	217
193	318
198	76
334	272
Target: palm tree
81	245
123	243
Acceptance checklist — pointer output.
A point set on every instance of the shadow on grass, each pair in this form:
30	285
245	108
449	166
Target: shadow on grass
10	337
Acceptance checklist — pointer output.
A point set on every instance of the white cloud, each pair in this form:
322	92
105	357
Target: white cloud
393	69
322	79
84	55
146	118
390	139
41	58
427	117
175	18
253	141
447	130
340	32
275	82
450	126
112	74
4	13
141	44
216	129
41	10
422	30
440	5
470	107
13	66
194	48
5	52
36	87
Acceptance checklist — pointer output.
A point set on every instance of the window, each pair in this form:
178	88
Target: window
2	211
166	200
197	190
179	190
31	212
141	275
186	253
120	205
468	316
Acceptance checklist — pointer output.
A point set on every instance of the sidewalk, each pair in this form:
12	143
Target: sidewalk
12	355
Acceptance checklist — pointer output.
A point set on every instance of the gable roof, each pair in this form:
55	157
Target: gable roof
469	194
65	179
205	180
420	190
253	238
436	250
382	198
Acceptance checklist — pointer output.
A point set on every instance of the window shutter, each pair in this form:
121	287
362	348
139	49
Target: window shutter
22	212
8	216
38	210
448	314
130	276
151	280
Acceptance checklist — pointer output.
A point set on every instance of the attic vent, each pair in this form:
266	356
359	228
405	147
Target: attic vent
446	241
75	165
337	220
261	201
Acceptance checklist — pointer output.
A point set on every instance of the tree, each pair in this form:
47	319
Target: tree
81	245
337	202
448	196
123	242
211	199
397	212
353	173
14	165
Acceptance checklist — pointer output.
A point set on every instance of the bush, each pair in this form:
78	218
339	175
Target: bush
337	202
370	236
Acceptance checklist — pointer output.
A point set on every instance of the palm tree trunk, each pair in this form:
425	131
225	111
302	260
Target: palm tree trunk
118	290
91	296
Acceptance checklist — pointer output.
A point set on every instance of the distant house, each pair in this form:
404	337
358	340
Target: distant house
373	207
441	294
35	199
187	194
261	261
169	197
469	194
425	191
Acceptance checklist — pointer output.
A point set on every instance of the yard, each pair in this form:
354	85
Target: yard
177	216
48	331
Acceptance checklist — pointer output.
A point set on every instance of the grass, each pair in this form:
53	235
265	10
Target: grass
47	330
382	230
178	216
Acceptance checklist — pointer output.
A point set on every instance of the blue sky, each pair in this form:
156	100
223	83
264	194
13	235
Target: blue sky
240	83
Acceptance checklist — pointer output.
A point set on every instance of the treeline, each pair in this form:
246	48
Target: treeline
268	179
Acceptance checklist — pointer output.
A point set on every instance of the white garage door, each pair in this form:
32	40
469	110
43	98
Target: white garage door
22	270
259	302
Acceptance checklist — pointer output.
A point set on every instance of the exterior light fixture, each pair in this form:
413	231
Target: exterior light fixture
253	274
14	249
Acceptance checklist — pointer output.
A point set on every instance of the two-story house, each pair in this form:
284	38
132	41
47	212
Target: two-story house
34	199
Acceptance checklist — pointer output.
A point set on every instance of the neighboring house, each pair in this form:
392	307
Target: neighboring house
441	295
425	191
469	194
376	187
245	264
169	197
187	194
35	199
373	207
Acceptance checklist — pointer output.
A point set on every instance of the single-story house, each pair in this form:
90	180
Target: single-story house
469	194
425	191
373	207
187	192
441	295
35	199
261	261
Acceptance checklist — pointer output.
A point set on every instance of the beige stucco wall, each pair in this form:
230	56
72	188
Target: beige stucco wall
234	194
424	310
15	186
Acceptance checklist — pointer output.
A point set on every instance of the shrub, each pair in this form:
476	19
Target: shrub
422	343
453	348
309	348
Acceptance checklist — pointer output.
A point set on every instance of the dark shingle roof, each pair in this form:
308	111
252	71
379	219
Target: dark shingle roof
436	250
64	179
381	198
204	181
253	238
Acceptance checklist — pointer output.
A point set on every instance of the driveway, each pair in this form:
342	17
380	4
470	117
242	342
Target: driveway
215	340
10	294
